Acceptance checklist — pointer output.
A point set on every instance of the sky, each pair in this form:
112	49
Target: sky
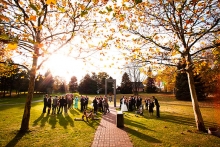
67	66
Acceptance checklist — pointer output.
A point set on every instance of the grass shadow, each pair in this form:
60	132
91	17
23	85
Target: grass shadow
44	120
141	135
62	121
75	111
16	139
38	119
70	120
136	124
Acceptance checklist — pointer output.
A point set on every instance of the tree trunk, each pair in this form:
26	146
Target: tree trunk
197	113
27	108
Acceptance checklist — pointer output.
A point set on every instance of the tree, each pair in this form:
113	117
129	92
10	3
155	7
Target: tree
165	79
126	85
101	81
73	85
169	31
134	71
58	82
48	82
150	86
182	89
42	28
87	85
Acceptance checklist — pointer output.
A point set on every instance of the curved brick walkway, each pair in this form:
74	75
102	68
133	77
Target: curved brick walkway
108	134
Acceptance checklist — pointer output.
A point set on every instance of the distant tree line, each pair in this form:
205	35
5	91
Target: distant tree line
17	81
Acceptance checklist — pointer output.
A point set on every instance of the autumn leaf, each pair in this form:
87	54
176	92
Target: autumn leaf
4	18
33	18
12	46
50	2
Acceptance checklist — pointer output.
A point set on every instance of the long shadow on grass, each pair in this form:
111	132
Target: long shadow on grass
74	111
15	140
38	119
65	120
44	120
181	119
136	124
141	135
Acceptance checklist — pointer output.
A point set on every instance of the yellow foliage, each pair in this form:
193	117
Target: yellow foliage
12	46
50	2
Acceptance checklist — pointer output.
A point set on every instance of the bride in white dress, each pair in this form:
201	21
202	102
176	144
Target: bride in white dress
123	106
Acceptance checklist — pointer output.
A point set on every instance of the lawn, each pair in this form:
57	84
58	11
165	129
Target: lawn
176	127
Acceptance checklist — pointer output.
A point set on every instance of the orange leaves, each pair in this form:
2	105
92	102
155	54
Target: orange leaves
4	18
33	18
189	21
50	2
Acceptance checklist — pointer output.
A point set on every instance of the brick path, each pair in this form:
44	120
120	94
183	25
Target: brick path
108	134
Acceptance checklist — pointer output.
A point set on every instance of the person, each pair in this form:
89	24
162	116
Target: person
138	102
95	105
123	105
146	103
49	102
82	103
65	104
61	105
87	115
76	102
45	103
157	106
121	101
54	105
151	107
86	102
105	105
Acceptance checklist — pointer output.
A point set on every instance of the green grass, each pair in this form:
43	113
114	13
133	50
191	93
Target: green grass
176	127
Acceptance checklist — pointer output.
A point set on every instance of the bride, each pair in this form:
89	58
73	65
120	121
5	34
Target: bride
123	106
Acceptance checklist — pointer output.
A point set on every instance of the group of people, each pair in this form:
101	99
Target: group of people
100	104
135	103
58	104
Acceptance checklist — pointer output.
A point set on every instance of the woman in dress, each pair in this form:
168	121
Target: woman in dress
123	106
76	102
151	107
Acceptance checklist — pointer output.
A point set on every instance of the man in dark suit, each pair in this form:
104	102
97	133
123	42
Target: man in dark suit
82	103
95	105
49	103
45	103
157	106
61	105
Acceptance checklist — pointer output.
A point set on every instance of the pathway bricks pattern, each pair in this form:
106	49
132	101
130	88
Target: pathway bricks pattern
108	134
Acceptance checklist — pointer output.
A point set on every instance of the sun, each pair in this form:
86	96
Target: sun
64	66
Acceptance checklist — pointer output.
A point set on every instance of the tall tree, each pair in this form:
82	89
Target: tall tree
42	28
167	30
150	86
126	85
134	71
101	81
87	85
73	85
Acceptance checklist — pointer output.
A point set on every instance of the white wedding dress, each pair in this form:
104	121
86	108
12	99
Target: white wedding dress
123	106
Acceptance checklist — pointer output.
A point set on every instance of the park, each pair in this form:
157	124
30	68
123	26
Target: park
168	49
175	127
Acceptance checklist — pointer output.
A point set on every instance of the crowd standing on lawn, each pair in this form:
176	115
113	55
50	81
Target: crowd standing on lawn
136	103
58	104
